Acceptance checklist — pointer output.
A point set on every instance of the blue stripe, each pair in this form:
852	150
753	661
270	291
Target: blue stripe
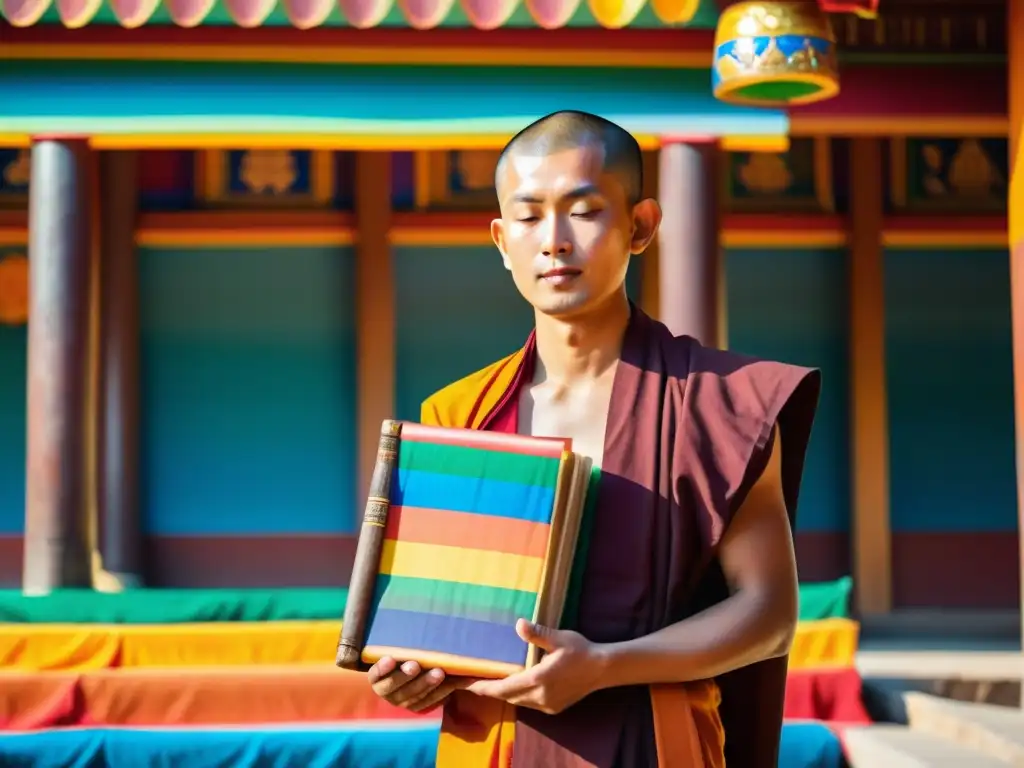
441	634
98	96
467	494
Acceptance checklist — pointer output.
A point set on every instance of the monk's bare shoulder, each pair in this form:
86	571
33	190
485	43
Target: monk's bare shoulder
446	406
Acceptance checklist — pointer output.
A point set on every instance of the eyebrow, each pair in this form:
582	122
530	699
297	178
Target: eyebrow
587	190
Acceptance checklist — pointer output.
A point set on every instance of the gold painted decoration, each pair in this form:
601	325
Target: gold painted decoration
615	14
955	175
23	13
268	170
266	178
134	13
675	11
189	13
774	54
19	170
489	14
797	180
75	14
250	13
552	14
13	289
425	14
308	14
365	14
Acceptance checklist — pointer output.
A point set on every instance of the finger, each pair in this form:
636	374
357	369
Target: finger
513	685
543	637
381	669
434	698
387	686
416	689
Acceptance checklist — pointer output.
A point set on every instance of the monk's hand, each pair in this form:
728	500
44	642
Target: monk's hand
410	686
568	671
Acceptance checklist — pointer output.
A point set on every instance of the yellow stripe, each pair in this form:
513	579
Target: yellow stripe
828	643
921	238
343	54
335	140
82	647
467	566
299	236
895	125
451	664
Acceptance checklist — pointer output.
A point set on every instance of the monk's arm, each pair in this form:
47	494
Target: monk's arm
756	622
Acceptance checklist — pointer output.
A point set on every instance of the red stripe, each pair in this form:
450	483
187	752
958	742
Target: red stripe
569	39
551	447
467	531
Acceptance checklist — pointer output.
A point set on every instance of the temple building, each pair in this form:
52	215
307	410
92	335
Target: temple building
236	236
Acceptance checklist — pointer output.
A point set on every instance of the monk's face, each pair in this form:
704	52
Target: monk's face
567	229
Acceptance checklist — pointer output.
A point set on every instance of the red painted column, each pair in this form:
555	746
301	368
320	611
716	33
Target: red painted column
56	545
1015	209
688	246
120	539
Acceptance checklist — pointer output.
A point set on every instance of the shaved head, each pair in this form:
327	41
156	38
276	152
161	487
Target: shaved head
566	130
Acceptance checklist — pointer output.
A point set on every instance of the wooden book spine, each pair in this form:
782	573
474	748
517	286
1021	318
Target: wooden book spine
368	550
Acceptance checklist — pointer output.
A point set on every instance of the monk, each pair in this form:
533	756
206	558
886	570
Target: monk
673	653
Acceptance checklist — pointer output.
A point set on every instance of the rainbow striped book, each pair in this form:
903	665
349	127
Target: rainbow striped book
464	533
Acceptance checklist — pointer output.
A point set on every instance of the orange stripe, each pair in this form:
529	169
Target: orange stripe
467	531
552	447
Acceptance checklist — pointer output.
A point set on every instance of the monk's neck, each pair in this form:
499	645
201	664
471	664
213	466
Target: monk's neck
584	347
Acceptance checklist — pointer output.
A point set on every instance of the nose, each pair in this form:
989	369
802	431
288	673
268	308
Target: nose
555	241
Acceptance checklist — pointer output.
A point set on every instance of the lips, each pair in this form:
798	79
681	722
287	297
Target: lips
561	272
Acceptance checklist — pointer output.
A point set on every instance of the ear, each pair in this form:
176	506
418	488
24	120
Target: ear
498	236
646	220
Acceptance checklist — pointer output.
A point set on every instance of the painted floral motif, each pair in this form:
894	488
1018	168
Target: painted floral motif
269	170
17	172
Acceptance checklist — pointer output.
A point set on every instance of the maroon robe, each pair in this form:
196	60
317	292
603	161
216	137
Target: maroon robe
689	432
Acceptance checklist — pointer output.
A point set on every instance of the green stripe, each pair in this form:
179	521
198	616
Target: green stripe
477	463
450	598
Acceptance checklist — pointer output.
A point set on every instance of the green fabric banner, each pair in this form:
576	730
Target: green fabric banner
180	606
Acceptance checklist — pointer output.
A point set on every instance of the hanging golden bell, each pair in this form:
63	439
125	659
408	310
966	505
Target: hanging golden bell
774	54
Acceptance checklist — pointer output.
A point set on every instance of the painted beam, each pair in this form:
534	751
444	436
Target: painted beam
321	228
375	310
872	534
630	47
182	104
926	100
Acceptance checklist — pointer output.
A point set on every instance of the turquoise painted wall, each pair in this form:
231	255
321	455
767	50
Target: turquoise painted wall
949	361
457	310
791	305
13	361
248	377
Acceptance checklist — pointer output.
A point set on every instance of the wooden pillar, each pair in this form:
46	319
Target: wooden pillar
375	309
120	538
869	427
56	538
689	253
1015	65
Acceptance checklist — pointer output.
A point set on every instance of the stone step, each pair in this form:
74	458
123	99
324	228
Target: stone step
897	746
989	729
